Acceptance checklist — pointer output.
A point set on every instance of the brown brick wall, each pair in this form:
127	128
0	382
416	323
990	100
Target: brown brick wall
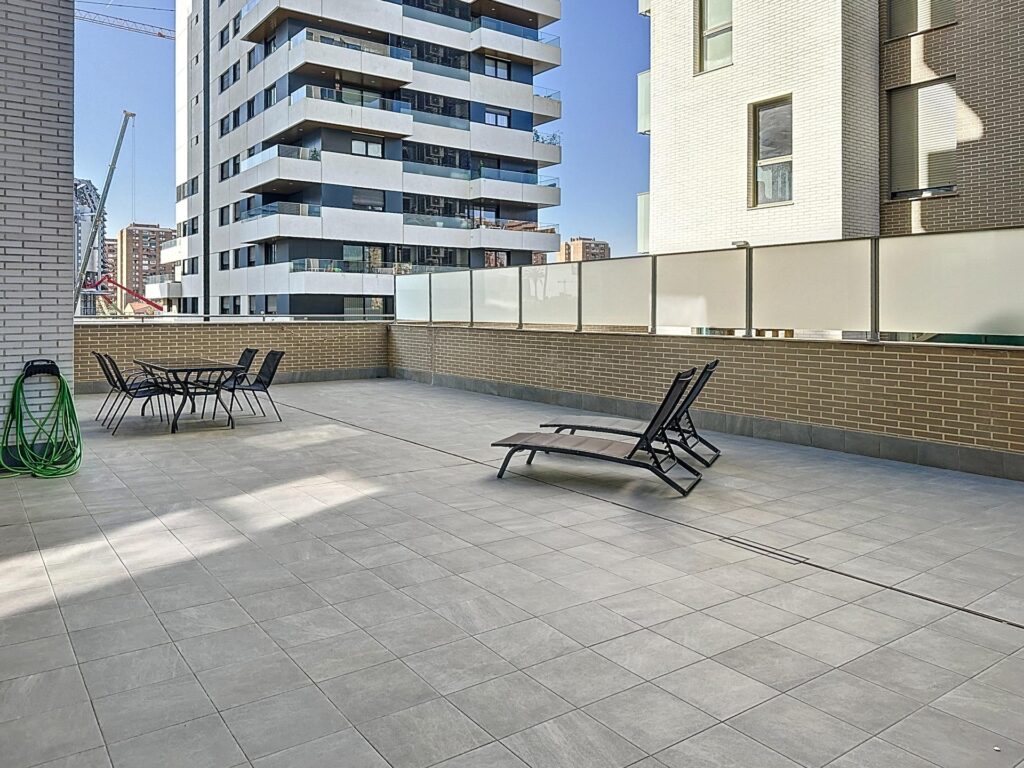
310	348
985	51
965	396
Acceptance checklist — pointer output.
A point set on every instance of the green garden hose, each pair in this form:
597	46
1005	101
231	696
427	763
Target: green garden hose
54	447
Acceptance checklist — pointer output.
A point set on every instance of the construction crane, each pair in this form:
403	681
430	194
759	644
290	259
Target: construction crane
126	24
108	280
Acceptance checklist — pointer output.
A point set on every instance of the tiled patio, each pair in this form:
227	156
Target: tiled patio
354	588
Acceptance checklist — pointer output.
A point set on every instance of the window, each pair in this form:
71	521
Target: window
715	45
225	215
270	96
253	308
922	140
773	152
498	116
368	199
909	16
252	58
225	125
497	68
250	108
496	258
225	260
368	146
272	304
190	266
269	46
225	36
236	23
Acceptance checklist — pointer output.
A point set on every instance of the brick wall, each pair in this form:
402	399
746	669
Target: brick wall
313	351
36	175
959	397
984	50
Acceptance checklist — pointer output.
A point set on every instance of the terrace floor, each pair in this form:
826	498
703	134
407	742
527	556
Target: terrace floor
355	588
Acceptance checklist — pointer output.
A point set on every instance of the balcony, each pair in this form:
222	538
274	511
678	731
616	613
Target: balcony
280	169
495	234
159	287
524	43
547	105
312	106
260	17
277	220
379	65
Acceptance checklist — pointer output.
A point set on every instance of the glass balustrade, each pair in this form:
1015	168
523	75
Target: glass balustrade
352	43
351	96
282	208
281	150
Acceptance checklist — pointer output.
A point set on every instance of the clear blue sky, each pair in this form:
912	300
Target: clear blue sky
604	44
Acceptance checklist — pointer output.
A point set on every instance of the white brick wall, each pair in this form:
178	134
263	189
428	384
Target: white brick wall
36	176
699	135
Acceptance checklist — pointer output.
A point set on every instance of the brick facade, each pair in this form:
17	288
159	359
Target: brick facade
984	50
37	255
962	397
313	351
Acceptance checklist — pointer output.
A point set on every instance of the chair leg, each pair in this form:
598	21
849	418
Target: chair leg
112	413
267	393
104	405
256	398
249	402
216	400
508	458
123	414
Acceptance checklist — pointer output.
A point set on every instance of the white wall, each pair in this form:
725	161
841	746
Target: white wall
700	126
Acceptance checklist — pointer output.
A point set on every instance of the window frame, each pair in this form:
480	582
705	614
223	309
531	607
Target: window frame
368	141
497	112
703	34
756	162
495	61
370	206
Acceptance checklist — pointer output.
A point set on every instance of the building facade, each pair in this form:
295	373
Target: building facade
794	122
317	155
138	258
86	206
584	249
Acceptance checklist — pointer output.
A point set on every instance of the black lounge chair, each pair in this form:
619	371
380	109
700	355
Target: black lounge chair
680	430
644	454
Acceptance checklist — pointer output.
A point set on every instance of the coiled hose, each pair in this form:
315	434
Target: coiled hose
54	447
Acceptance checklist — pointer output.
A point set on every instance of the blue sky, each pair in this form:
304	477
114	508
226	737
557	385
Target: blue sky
604	44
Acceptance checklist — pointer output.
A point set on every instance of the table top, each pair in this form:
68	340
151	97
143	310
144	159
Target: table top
188	365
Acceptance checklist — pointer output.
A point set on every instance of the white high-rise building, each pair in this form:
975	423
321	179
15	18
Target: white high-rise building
324	145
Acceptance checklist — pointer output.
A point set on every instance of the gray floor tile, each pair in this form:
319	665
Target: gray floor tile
424	735
583	677
704	634
491	756
91	758
321	752
377	691
980	631
349	586
542	597
307	627
416	633
802	733
151	708
753	616
904	674
283	721
528	642
458	665
944	651
798	600
822	642
866	623
509	704
202	743
380	608
203	619
694	592
50	735
650	717
772	664
231	646
986	706
590	623
109	610
336	656
647	654
855	701
275	603
950	742
245	681
31	626
716	689
41	692
645	607
879	754
722	747
112	639
35	656
1008	674
573	740
482	614
135	669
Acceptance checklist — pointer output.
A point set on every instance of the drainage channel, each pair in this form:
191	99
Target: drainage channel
736	541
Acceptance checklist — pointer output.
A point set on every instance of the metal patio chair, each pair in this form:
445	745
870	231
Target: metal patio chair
260	384
137	386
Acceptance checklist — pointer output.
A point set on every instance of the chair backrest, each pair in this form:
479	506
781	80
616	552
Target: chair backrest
668	407
269	368
246	358
106	371
698	387
115	371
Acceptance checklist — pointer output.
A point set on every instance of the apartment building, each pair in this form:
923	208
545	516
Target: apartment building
584	249
788	122
138	258
320	153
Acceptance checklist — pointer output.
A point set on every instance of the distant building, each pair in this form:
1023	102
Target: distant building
138	256
585	249
87	203
109	266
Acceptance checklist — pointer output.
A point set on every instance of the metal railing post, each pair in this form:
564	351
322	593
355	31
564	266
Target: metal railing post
875	334
654	295
430	299
749	331
520	273
471	299
579	297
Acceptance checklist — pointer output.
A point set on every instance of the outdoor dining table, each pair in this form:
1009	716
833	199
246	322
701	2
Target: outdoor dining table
191	377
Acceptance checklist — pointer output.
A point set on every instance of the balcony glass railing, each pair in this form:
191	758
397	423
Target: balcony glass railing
351	96
547	93
166	245
459	222
554	139
508	28
282	208
281	150
515	225
411	12
441	171
516	177
345	266
445	121
157	279
352	43
444	222
433	68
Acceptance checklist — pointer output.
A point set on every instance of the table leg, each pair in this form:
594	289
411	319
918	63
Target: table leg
183	383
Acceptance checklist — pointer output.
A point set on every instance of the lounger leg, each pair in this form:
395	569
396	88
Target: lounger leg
529	459
508	458
710	446
682	490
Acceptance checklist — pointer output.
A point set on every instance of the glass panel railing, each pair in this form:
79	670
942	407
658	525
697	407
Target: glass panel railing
643	102
450	297
617	293
547	93
551	294
155	279
411	12
496	296
516	177
412	297
441	171
283	208
349	266
433	68
248	7
515	225
554	139
352	43
445	222
166	245
446	121
281	150
508	28
351	96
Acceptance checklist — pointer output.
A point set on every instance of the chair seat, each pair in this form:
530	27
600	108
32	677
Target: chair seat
561	443
611	423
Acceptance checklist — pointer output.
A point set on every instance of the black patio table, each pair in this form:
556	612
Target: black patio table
192	377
